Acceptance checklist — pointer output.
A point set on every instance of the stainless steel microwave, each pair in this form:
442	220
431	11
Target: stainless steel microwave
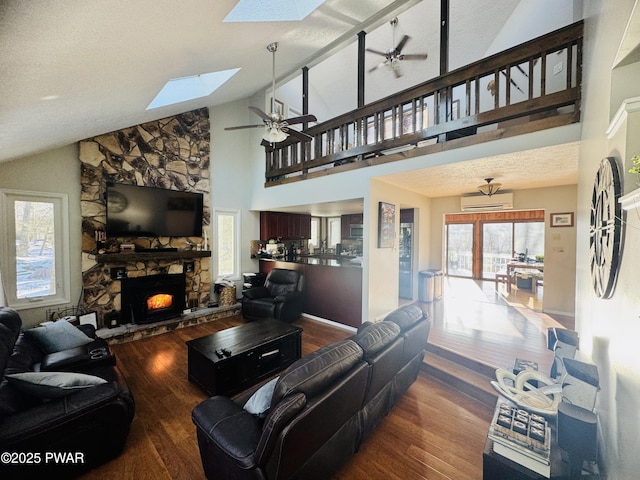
355	231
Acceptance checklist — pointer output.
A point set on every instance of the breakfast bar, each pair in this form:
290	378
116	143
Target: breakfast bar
333	285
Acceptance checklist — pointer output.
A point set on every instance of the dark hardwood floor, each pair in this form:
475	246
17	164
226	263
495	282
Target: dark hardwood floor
434	432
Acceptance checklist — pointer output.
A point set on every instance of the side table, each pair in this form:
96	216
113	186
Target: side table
499	467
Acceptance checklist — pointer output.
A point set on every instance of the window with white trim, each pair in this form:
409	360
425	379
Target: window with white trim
314	242
226	233
34	248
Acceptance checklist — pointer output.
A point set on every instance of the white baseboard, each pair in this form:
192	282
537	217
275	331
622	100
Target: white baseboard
555	312
330	322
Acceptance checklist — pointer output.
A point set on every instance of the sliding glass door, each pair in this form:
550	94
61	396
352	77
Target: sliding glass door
479	245
497	240
460	249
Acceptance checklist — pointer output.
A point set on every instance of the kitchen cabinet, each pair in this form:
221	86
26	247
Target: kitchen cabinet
347	220
287	226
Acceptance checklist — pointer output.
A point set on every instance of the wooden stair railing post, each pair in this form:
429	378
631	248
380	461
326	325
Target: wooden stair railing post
425	111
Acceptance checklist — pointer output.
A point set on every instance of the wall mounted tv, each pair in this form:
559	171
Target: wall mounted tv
134	211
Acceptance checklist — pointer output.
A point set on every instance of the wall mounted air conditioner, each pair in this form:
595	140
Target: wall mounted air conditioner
499	201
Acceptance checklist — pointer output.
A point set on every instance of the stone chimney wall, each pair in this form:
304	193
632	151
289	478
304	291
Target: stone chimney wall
171	153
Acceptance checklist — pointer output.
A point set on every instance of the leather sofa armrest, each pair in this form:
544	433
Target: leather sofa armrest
79	358
48	415
230	428
256	292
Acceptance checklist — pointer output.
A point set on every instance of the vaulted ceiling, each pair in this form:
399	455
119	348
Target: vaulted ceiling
70	70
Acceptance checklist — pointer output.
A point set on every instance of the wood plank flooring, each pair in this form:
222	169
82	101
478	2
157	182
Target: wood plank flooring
492	326
434	432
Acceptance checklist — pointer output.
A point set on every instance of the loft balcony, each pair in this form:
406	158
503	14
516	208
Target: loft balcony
533	86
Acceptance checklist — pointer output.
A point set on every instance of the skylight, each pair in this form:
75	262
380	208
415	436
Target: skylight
182	89
272	10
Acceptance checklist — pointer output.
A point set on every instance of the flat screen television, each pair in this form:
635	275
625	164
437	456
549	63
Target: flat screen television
134	211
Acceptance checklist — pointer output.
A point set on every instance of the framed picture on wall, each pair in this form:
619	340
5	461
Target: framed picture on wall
386	224
562	219
90	318
278	107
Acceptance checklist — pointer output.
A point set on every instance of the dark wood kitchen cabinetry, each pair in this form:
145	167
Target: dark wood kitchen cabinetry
347	220
288	226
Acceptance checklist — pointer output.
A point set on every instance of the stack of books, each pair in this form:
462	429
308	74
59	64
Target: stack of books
523	437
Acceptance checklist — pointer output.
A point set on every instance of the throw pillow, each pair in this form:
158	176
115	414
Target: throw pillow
260	401
52	384
56	336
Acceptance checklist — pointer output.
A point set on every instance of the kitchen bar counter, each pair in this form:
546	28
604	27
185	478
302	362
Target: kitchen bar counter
333	286
324	260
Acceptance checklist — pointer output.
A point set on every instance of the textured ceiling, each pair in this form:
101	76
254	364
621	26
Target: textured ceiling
72	69
542	167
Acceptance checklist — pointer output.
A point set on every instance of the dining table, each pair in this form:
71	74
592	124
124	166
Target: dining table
512	267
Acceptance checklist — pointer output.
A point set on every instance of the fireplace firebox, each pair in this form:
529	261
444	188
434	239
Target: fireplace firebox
152	298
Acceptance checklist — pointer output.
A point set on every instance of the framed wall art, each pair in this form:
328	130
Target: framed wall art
90	318
278	106
386	224
562	219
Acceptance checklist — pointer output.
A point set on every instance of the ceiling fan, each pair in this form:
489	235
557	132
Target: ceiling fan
394	56
276	127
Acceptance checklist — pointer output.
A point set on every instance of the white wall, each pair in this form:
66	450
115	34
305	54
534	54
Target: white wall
55	171
534	18
231	159
609	329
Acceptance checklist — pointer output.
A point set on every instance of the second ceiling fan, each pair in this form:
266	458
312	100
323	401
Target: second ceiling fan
394	56
276	127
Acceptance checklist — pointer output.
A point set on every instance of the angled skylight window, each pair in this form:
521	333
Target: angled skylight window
182	89
272	10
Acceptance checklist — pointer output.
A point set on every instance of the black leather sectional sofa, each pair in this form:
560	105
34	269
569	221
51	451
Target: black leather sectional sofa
72	417
322	407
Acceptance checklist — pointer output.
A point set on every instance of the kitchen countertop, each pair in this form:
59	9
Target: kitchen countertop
322	260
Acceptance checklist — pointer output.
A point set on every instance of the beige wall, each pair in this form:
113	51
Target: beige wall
609	329
55	171
381	273
560	243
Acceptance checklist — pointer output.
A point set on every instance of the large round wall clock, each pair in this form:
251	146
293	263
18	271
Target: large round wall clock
606	227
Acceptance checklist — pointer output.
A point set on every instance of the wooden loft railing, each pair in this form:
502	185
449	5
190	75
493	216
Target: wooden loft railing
530	87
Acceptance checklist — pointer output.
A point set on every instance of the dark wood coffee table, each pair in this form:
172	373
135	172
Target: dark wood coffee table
234	359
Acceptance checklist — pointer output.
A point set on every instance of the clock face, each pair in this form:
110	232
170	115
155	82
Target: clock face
605	229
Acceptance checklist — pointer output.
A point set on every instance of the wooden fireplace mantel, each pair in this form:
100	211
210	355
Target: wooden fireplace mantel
111	258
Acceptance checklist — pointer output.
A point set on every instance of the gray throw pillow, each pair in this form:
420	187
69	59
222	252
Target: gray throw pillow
52	384
56	336
260	401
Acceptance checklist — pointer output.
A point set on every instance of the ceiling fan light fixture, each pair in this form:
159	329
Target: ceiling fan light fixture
274	135
489	188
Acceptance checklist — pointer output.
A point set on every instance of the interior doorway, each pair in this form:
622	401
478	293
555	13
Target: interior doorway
406	246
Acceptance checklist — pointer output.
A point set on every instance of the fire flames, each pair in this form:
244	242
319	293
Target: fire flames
159	301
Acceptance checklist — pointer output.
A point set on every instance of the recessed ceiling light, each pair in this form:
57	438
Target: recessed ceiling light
182	89
272	10
49	97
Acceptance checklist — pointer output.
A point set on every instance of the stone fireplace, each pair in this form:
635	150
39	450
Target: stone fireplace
152	298
170	153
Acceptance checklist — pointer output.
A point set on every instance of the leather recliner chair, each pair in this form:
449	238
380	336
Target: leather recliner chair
281	297
93	422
